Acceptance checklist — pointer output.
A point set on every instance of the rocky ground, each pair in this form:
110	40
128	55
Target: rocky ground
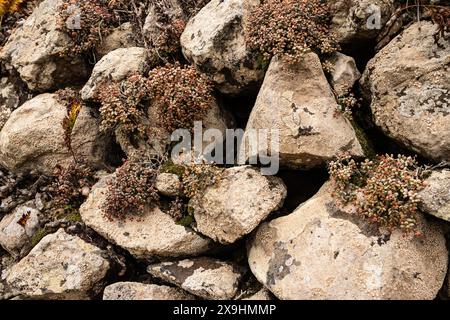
93	208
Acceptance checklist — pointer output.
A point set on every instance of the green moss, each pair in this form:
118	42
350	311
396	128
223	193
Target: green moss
261	63
73	216
363	139
37	237
186	221
170	167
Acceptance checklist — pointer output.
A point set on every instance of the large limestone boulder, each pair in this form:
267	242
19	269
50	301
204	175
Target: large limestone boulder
204	277
237	204
408	83
296	102
115	66
17	229
61	266
214	42
141	291
33	137
152	233
360	21
322	252
37	50
435	197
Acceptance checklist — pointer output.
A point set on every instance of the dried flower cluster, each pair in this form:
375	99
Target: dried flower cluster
196	178
95	18
165	40
347	103
123	104
383	190
290	28
181	95
71	186
132	189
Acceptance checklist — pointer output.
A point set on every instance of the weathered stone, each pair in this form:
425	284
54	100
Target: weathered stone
435	197
204	277
408	83
151	233
359	21
345	73
37	50
214	42
121	37
297	103
33	137
168	184
115	66
61	266
237	204
141	291
9	100
261	295
322	252
17	228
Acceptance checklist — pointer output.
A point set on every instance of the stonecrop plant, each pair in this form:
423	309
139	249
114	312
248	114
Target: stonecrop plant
132	189
87	23
181	95
290	28
383	190
123	104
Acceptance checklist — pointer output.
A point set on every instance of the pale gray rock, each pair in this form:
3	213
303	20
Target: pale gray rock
214	42
141	291
168	184
345	73
115	67
297	104
17	228
237	203
322	252
37	50
360	21
435	197
61	266
204	277
33	137
151	233
408	84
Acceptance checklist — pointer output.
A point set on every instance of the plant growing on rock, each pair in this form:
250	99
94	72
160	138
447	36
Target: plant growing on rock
11	13
181	95
123	104
383	190
71	186
347	103
96	19
197	177
72	100
290	28
132	189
